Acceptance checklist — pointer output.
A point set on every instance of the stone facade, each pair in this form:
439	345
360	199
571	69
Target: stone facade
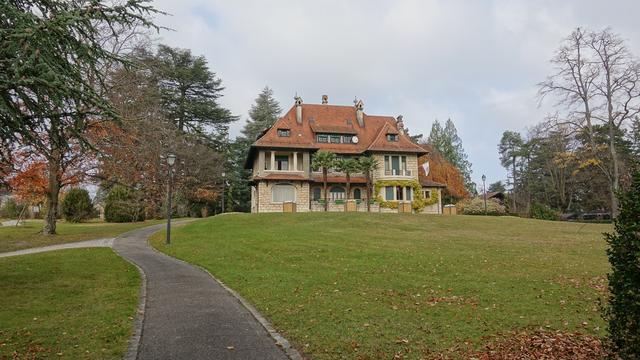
280	159
263	202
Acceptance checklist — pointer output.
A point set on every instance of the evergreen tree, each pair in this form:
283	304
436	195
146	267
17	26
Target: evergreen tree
497	186
449	145
623	311
239	189
510	149
190	93
436	137
635	138
77	206
262	115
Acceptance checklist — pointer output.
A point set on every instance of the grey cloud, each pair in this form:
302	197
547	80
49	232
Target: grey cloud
474	61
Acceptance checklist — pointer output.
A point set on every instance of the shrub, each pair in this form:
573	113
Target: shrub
11	209
122	205
77	206
543	212
475	206
623	311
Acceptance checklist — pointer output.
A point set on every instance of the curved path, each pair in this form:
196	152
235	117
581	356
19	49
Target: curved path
187	314
106	242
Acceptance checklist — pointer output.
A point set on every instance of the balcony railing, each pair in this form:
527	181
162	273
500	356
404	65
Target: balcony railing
397	172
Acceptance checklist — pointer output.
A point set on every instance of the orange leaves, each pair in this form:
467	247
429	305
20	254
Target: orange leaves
30	185
203	194
442	171
543	345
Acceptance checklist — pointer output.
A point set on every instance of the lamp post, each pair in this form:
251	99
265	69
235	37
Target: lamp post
484	191
224	183
171	159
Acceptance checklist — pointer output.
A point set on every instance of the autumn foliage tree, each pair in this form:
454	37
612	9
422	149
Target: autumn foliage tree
52	56
29	183
442	171
29	186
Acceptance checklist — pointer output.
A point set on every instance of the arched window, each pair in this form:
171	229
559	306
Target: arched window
283	192
357	193
317	194
337	193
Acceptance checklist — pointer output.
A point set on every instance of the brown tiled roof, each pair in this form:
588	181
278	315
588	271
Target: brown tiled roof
430	183
404	144
336	119
341	179
333	129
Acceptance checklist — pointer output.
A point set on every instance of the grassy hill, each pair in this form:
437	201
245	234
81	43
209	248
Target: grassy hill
412	286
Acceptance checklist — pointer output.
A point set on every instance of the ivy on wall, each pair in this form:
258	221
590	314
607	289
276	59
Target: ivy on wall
418	203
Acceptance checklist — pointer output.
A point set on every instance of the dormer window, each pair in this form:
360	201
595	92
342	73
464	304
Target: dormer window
392	137
336	138
284	132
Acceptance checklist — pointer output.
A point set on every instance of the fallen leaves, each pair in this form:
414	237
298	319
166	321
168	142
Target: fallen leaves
542	345
597	283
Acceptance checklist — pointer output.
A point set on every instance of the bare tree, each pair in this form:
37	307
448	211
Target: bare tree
596	80
618	88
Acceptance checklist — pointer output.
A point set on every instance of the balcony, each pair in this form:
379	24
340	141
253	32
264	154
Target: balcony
397	172
278	161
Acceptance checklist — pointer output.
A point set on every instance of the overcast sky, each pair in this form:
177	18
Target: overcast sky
476	62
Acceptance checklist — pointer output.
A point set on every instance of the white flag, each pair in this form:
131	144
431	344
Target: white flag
425	167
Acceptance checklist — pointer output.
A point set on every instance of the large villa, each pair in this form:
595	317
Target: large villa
283	178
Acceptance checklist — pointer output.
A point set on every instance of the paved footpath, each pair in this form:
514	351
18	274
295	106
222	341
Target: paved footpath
188	315
107	242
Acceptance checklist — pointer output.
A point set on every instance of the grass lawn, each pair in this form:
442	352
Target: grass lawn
379	285
28	236
70	304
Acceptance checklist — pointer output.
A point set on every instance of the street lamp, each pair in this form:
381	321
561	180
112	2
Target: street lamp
224	182
484	191
171	159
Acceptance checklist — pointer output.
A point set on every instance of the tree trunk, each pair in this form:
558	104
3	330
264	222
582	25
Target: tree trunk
324	185
513	196
53	193
348	190
368	175
616	170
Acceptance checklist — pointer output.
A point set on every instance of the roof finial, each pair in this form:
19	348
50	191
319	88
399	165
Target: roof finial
400	124
359	112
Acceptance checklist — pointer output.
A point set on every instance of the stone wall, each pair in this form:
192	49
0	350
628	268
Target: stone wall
333	207
437	207
265	203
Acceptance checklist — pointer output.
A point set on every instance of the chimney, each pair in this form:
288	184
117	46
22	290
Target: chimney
359	113
298	100
325	99
400	124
